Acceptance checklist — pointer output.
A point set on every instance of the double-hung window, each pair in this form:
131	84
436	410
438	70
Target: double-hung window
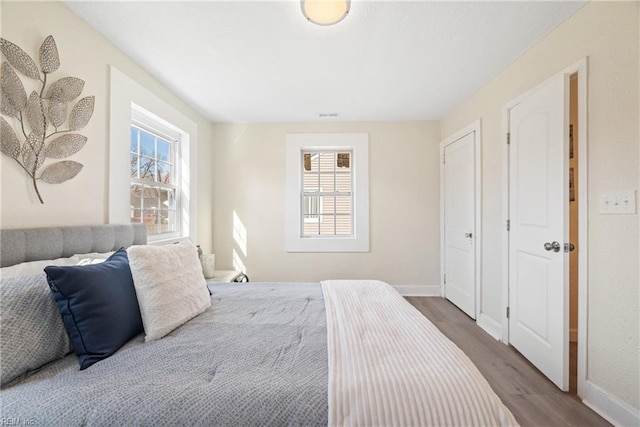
154	171
327	199
327	193
158	145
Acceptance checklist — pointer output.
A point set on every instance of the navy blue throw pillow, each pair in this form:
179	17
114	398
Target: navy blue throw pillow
98	305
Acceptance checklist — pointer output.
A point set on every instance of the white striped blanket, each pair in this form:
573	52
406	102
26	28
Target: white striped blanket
390	366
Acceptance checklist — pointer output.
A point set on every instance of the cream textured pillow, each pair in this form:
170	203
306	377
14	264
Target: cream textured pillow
169	285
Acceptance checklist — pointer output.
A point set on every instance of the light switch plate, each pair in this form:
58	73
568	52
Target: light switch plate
618	202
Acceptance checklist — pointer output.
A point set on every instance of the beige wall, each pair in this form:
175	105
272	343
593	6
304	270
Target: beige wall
249	176
86	54
606	32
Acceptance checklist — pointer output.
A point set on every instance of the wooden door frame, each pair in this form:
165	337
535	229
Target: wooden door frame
475	127
581	68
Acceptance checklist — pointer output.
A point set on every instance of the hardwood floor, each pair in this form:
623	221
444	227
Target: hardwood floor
531	397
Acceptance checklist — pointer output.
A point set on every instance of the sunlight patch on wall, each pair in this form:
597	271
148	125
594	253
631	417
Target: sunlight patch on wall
237	262
239	233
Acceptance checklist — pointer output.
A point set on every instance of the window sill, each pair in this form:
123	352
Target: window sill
166	240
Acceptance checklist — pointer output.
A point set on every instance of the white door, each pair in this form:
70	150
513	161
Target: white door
538	214
459	219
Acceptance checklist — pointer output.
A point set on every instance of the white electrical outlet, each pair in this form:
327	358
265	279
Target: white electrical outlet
618	202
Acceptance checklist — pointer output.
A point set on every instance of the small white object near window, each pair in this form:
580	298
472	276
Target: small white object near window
327	193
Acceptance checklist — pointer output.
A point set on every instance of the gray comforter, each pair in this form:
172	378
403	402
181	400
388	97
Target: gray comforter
258	356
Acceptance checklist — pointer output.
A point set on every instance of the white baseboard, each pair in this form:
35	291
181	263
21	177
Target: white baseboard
418	290
490	326
609	407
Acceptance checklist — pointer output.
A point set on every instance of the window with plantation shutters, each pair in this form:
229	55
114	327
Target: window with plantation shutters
327	193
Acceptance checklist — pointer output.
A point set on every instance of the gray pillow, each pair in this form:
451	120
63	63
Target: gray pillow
30	325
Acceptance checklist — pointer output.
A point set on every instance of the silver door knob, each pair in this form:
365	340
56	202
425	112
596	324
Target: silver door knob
553	246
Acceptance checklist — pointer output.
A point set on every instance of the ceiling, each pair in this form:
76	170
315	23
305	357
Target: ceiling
261	61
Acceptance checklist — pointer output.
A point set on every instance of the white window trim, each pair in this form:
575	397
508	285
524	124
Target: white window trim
126	96
358	144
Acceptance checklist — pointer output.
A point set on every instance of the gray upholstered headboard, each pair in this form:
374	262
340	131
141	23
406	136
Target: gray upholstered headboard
32	244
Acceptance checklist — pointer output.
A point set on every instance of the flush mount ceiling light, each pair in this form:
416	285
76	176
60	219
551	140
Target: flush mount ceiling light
325	12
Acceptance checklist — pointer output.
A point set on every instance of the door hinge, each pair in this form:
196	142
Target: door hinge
508	312
508	225
444	278
444	157
508	137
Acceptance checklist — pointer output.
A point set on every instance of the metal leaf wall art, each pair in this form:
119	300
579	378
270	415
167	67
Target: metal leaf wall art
40	116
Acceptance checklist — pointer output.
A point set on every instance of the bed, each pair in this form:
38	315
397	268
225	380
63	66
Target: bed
331	353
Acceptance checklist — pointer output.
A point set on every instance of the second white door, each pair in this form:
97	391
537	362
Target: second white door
459	191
